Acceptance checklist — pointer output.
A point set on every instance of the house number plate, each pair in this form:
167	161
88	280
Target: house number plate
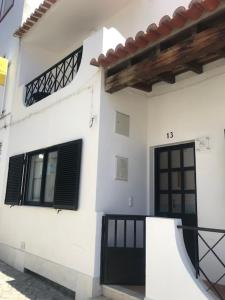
170	135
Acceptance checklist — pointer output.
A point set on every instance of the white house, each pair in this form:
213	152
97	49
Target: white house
109	144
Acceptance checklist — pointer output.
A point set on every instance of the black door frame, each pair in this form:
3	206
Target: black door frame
187	219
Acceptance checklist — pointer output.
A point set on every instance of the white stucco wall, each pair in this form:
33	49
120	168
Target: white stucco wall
194	108
113	195
42	236
65	116
143	13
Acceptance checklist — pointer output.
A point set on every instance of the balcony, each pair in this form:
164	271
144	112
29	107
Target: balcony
54	79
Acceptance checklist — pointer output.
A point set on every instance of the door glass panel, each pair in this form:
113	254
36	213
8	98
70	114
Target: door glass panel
35	177
189	160
164	203
176	180
120	233
163	160
111	233
163	181
130	234
139	234
190	204
176	203
189	180
175	158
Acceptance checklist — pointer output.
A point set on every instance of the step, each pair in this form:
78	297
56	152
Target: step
116	292
100	298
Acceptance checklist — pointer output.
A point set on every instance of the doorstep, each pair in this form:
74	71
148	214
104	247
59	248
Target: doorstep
116	292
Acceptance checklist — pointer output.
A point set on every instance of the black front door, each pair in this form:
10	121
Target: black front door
175	188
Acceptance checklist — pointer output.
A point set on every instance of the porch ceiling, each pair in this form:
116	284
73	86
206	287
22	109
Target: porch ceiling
186	42
58	23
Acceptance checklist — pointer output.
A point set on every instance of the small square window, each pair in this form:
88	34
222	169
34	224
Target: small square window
121	168
122	124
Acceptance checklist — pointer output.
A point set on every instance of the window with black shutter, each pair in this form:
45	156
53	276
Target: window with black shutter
68	175
48	177
14	183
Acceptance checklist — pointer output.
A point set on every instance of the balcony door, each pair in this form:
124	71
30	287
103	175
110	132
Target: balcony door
175	187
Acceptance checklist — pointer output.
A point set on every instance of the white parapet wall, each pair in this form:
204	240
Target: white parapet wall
169	272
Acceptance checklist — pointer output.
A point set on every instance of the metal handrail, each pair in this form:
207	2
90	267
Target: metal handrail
199	270
53	79
201	229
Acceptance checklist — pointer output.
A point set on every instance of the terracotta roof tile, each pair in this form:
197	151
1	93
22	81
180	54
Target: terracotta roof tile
34	17
167	25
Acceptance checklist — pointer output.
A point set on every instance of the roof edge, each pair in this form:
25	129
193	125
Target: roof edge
34	18
198	10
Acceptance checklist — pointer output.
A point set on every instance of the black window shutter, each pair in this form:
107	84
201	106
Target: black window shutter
68	175
15	174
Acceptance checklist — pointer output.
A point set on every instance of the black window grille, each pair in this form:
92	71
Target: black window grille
54	79
5	7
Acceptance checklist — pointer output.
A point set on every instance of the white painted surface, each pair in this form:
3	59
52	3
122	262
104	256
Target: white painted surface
194	107
66	238
169	273
142	13
113	195
73	21
65	116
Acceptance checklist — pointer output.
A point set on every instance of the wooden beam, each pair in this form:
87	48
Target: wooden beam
221	53
185	52
168	77
146	87
195	67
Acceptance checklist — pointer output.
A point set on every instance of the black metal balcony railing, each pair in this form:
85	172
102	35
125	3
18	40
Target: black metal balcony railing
54	79
212	284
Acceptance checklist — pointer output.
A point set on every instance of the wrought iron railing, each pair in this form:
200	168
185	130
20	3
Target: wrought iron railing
212	285
54	79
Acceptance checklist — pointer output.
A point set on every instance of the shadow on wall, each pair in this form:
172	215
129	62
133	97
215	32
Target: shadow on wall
15	284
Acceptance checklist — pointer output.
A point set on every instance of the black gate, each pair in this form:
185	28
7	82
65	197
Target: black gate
123	250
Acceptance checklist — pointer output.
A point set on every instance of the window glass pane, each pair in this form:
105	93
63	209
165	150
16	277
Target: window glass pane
176	180
189	180
164	181
176	203
164	203
189	157
175	159
50	177
35	176
120	233
190	204
139	234
6	5
163	160
111	233
130	234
